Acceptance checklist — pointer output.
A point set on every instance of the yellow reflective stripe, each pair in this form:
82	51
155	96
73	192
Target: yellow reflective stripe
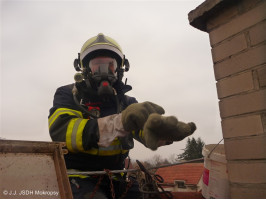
74	134
116	141
114	149
101	152
69	134
114	152
111	153
133	133
92	151
77	176
61	111
141	134
79	134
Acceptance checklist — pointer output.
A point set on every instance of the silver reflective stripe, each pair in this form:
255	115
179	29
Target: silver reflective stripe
74	135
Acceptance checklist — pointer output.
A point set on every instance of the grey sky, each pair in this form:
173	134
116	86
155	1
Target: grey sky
170	61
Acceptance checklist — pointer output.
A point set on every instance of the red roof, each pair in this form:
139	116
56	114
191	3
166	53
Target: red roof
189	172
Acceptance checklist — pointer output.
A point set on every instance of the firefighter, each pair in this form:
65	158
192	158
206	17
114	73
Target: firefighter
98	121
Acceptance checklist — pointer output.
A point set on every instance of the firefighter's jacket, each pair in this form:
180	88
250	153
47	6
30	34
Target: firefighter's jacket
68	123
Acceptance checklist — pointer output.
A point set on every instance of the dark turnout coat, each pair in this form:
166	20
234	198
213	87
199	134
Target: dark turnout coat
69	123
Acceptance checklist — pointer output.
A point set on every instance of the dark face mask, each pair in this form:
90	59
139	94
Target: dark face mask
103	74
104	83
99	78
98	85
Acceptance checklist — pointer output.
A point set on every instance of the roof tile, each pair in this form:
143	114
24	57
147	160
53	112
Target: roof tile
189	172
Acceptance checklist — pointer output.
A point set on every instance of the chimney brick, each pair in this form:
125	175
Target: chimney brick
235	84
244	103
246	60
262	76
229	48
247	171
242	126
253	147
258	33
238	24
248	191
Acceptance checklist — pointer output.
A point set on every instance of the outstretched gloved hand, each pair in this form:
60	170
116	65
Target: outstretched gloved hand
135	115
120	125
160	130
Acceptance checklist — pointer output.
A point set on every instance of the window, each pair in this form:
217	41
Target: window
180	184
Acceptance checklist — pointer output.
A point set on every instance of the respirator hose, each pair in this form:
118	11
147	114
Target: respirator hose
83	109
118	109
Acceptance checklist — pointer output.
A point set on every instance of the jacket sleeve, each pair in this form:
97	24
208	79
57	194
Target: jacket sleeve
67	124
137	135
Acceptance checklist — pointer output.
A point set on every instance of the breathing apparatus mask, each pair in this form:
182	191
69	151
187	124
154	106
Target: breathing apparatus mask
102	72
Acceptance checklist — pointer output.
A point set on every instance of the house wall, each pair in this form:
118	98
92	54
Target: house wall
199	185
237	33
177	189
189	188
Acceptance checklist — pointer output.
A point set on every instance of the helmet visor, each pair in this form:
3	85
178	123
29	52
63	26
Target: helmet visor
102	65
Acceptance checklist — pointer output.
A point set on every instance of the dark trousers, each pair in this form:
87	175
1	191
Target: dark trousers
82	188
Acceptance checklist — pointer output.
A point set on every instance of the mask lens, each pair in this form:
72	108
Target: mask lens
102	65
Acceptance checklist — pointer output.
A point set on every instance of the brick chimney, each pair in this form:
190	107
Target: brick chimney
237	32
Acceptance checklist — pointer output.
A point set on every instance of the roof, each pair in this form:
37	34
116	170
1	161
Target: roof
189	172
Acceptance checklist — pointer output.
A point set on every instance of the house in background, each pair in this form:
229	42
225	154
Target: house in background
182	178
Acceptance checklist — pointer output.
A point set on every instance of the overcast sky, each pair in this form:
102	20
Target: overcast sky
171	62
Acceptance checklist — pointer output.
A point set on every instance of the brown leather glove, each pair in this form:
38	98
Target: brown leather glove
135	115
160	130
